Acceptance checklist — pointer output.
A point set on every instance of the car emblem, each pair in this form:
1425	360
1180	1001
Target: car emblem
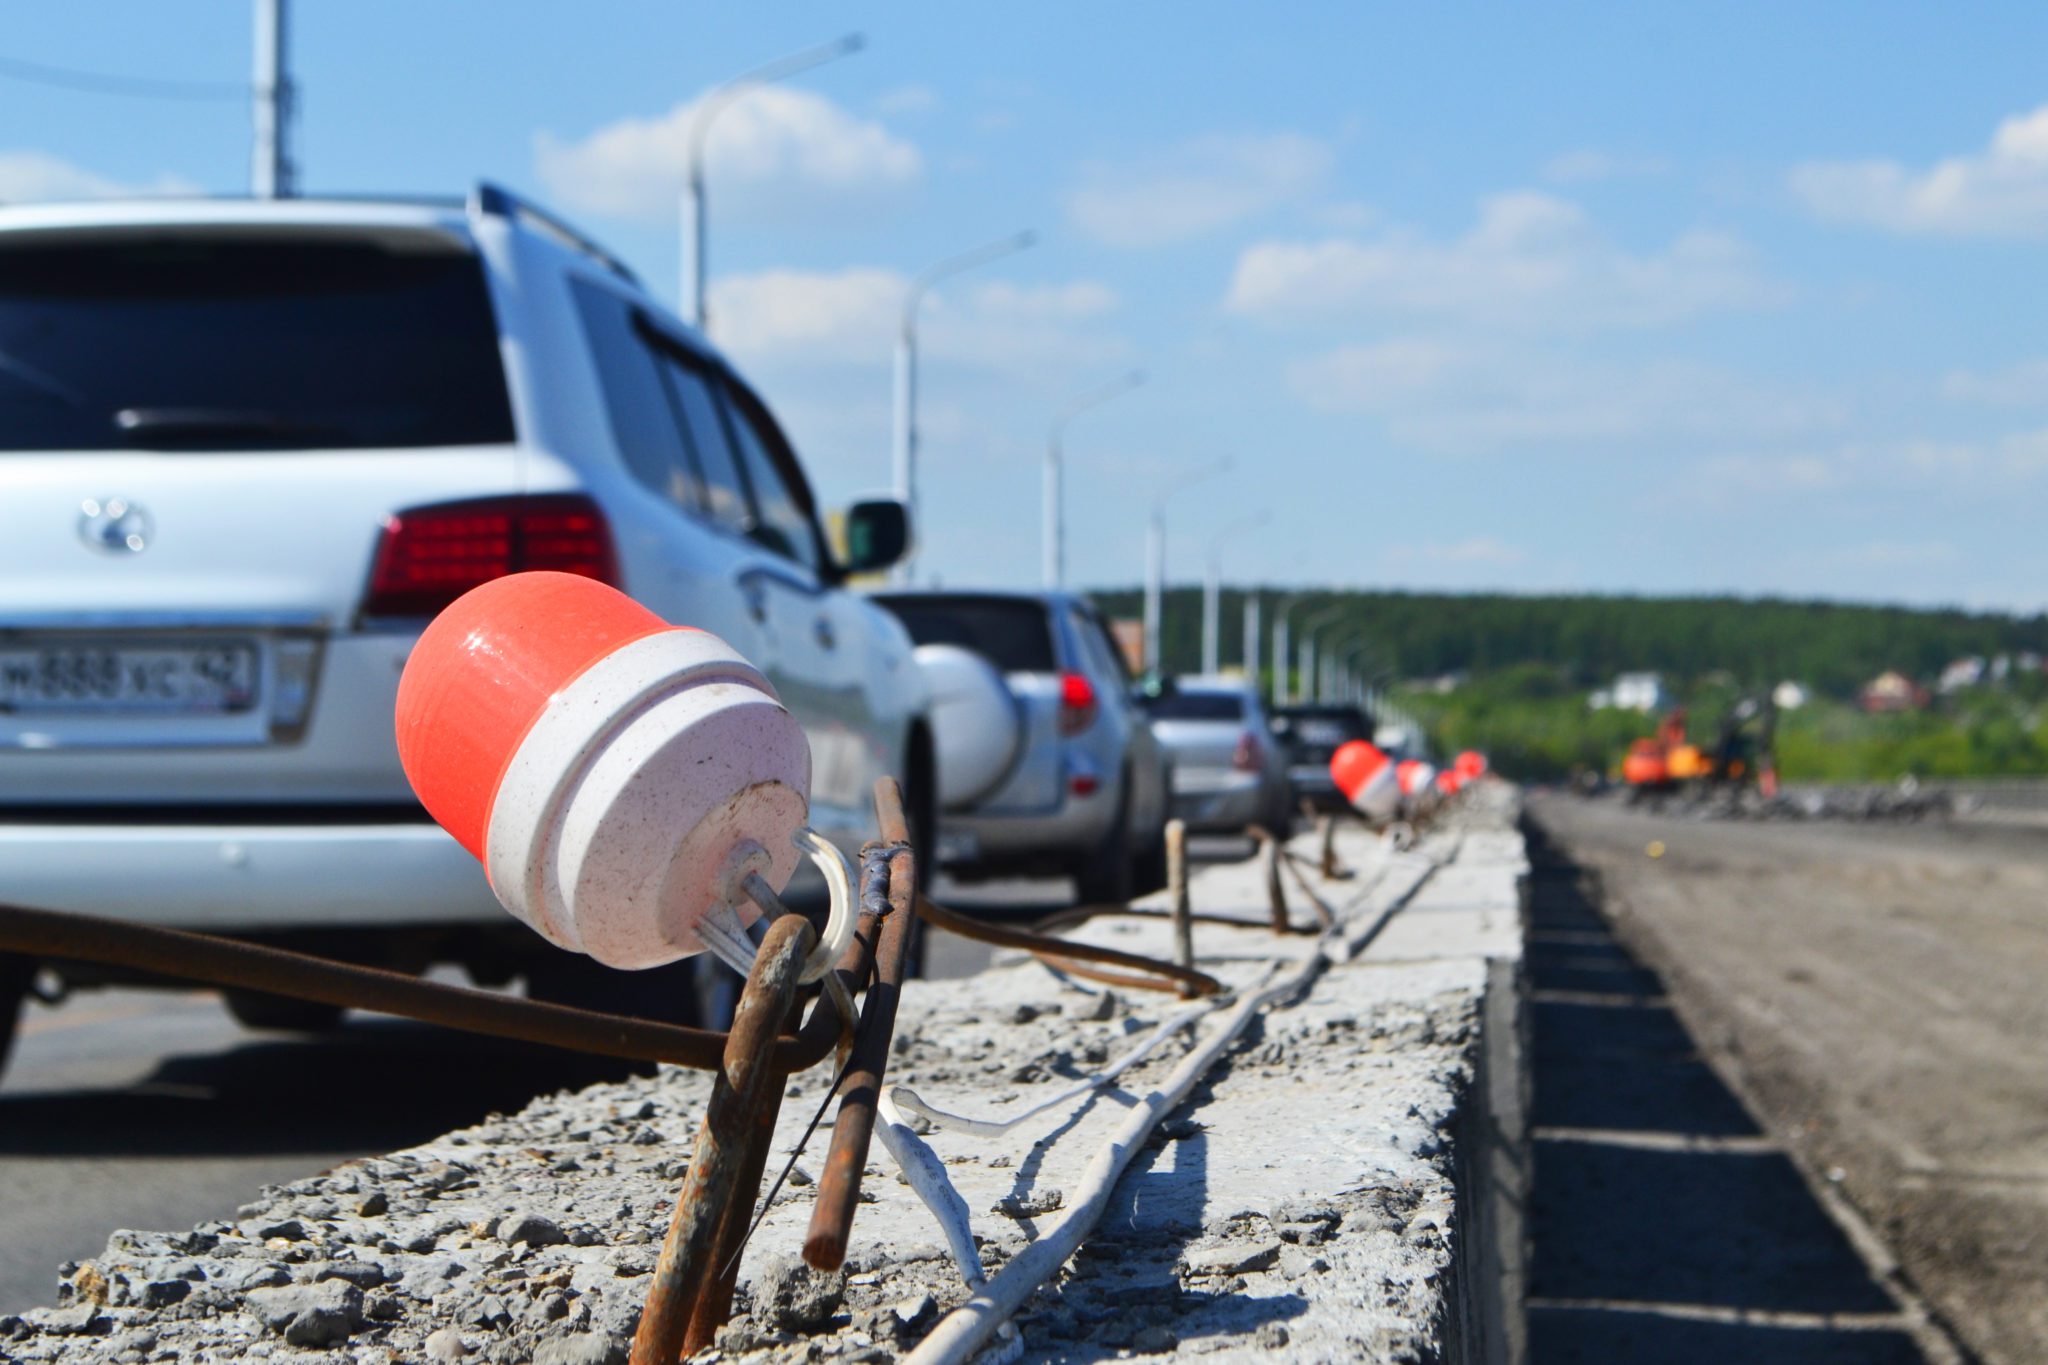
114	526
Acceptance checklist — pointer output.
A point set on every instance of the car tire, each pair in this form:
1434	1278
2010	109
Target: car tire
281	1013
1148	869
1103	876
921	814
17	974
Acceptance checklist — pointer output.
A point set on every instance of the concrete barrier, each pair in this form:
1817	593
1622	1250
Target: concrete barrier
1345	1183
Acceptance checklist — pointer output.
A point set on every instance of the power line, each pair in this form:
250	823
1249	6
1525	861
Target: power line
100	83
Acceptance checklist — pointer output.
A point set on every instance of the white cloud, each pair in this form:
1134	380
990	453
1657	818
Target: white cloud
2001	191
1532	260
33	177
772	138
1482	396
1589	165
849	317
2022	385
1201	186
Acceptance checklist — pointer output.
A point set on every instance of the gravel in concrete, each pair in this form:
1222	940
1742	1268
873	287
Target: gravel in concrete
1304	1204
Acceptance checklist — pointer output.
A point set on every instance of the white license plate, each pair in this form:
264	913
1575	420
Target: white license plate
207	678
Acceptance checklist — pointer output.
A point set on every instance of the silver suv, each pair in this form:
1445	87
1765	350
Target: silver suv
247	449
1085	788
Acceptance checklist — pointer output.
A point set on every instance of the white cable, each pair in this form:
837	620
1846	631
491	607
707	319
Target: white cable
926	1172
840	923
963	1331
722	933
907	1099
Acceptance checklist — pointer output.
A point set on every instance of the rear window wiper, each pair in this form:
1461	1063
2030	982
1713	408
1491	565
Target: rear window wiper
198	424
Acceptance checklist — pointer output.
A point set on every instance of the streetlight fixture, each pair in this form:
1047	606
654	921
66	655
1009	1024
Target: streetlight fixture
1055	514
1338	664
1212	590
1281	611
904	446
1309	630
720	98
1155	557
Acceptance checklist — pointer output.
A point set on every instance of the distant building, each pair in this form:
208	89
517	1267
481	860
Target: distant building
1893	691
1790	696
1967	671
1638	692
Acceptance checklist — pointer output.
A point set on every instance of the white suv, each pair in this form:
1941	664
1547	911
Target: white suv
248	448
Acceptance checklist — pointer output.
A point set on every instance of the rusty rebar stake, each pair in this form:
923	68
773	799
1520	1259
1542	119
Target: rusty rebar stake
717	1162
860	1089
714	1301
1177	900
1270	853
64	936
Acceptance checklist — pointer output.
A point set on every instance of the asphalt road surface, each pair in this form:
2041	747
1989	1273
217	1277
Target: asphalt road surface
145	1109
1879	995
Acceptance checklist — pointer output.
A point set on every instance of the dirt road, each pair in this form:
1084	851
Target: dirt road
1880	992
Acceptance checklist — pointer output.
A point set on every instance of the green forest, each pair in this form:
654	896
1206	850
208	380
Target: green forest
1831	647
1516	673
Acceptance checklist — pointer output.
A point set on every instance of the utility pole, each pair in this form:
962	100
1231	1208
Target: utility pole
271	173
1281	611
715	102
1212	592
903	451
1251	638
1055	530
1155	558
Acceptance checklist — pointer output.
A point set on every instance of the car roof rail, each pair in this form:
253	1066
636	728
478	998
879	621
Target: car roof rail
499	202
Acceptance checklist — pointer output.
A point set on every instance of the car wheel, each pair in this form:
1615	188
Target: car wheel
1103	875
1148	869
921	813
257	1009
16	975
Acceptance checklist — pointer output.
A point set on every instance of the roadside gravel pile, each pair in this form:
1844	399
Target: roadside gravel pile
1302	1203
1900	801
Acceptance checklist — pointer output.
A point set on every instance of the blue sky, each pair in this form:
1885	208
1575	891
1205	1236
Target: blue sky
1652	298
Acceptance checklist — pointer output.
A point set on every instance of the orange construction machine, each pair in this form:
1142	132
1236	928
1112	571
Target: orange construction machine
1743	752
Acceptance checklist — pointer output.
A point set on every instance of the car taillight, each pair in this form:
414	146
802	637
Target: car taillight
1248	757
429	556
1077	703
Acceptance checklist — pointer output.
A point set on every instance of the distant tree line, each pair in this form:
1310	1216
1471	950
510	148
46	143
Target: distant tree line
1831	646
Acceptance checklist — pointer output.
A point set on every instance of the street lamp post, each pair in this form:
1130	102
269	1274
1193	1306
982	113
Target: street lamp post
1280	658
1337	673
714	103
903	462
1251	638
1212	591
1309	630
1155	557
1055	566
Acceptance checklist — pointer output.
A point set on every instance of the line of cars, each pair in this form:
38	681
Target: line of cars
249	448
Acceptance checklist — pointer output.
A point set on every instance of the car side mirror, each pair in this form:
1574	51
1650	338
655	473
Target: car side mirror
877	534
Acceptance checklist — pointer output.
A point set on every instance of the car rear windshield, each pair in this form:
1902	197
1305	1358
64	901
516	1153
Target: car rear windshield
1196	706
178	341
1014	635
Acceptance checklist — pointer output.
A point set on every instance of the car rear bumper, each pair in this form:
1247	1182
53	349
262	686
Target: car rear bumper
247	878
